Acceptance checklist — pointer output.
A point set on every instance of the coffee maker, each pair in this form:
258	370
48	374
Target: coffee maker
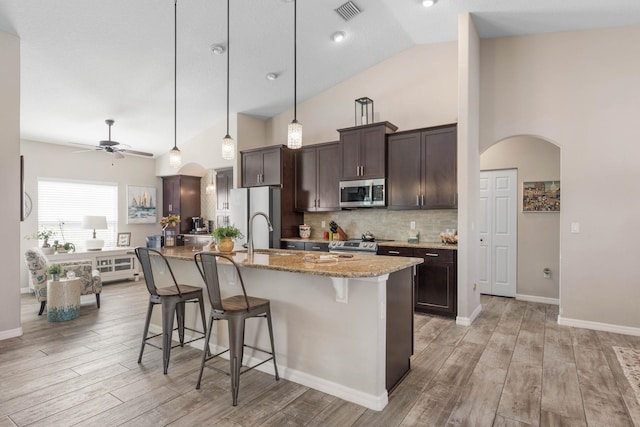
198	224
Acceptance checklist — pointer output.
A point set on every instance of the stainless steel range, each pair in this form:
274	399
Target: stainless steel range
353	247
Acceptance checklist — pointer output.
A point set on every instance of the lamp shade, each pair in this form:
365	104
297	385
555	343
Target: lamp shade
95	222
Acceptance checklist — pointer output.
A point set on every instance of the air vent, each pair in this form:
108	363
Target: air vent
348	11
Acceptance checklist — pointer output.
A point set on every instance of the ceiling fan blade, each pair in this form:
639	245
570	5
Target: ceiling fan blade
137	153
118	155
87	150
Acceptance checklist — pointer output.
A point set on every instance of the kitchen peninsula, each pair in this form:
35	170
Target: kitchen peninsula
343	326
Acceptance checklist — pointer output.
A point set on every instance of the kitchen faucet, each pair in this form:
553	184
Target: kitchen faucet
250	236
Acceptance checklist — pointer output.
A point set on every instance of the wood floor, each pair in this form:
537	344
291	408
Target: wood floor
513	367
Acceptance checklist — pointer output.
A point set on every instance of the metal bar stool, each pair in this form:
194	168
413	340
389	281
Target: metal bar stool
172	299
235	310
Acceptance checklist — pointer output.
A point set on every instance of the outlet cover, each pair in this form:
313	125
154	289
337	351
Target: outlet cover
324	224
412	225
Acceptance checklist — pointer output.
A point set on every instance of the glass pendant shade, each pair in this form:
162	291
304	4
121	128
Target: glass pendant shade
228	148
294	135
211	187
175	158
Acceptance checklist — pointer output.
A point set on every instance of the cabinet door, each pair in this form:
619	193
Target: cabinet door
328	177
285	244
404	171
224	182
395	251
373	152
189	201
271	167
440	185
350	154
171	195
306	173
436	284
251	169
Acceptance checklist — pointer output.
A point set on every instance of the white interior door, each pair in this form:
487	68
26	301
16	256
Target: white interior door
498	232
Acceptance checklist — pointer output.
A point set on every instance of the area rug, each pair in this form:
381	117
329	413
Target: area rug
630	361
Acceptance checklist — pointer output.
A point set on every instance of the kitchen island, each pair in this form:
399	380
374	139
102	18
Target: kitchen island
343	326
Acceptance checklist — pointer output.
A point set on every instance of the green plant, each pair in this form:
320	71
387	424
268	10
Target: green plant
43	234
220	233
54	269
69	247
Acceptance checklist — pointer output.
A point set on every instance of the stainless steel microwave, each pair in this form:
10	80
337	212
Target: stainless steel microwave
362	193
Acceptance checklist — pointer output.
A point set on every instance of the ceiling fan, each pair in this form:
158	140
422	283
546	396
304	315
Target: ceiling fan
115	148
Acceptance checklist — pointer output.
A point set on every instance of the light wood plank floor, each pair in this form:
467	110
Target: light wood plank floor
513	367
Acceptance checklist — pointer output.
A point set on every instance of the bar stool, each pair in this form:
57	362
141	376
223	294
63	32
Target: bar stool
235	310
172	299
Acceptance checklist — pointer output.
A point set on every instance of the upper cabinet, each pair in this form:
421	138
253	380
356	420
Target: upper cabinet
363	150
264	166
224	183
422	171
181	196
317	178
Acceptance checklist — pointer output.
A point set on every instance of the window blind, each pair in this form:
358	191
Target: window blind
63	204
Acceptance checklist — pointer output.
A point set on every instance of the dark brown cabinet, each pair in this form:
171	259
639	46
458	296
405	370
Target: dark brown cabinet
422	169
181	196
436	290
436	284
224	183
363	151
263	166
304	246
317	178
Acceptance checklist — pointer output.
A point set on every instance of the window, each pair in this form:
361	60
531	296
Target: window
63	204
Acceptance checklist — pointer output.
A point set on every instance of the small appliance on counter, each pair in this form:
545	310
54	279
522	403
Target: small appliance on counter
154	242
198	226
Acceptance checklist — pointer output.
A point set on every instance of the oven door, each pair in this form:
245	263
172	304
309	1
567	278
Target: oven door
362	193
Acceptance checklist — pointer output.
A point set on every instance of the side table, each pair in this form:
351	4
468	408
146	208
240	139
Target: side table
63	299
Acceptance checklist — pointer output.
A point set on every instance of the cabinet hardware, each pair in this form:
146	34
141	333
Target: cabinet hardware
170	207
315	247
394	252
422	200
430	254
291	247
417	200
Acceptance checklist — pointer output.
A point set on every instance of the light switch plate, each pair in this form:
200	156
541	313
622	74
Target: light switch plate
575	227
412	225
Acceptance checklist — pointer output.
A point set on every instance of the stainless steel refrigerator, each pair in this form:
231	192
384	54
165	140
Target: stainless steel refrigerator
245	202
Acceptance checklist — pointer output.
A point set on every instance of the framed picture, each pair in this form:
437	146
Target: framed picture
124	239
541	196
141	205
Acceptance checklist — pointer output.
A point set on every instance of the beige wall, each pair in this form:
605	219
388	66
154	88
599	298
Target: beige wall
579	90
538	232
10	188
58	161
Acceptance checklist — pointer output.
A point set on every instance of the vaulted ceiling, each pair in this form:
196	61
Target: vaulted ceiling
85	61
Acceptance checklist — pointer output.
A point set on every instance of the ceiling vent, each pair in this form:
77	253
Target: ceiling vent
348	11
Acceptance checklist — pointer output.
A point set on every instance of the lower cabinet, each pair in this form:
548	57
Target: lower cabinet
116	267
304	246
436	286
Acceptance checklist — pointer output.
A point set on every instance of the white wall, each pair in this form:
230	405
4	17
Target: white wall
581	91
10	188
58	161
538	232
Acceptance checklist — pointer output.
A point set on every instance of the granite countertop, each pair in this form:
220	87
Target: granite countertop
400	243
292	261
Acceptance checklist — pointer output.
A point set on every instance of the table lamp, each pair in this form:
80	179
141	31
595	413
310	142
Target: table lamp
94	223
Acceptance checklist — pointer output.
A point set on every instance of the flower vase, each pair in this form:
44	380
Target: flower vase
226	244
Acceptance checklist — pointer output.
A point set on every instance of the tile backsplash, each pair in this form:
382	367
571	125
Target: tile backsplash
385	223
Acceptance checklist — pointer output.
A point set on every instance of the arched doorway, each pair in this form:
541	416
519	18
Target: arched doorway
538	243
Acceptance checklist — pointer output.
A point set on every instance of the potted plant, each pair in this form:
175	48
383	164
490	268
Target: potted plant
224	236
44	234
55	270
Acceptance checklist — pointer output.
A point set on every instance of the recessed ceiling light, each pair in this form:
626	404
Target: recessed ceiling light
272	76
338	36
429	3
218	49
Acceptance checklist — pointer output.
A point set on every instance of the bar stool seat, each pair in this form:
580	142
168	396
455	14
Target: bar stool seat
173	300
236	310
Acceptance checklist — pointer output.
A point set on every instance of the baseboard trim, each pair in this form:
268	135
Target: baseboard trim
11	333
597	326
370	401
467	321
542	300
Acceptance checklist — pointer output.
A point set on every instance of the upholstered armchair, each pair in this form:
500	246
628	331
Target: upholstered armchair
37	264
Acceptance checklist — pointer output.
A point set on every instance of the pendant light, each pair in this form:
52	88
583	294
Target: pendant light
175	156
211	187
228	146
294	133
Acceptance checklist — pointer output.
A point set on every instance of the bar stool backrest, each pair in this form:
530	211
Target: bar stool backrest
208	267
144	256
